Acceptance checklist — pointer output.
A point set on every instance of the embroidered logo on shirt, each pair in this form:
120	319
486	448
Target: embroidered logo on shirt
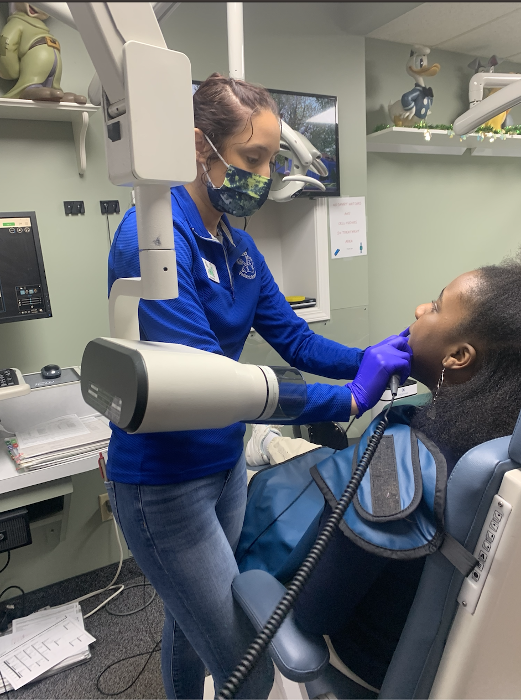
247	271
211	271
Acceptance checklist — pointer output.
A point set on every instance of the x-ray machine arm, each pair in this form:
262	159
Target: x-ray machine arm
147	95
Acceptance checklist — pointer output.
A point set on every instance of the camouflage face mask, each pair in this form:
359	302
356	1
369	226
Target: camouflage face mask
241	194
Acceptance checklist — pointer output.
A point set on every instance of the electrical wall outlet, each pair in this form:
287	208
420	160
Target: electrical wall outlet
109	206
74	208
105	507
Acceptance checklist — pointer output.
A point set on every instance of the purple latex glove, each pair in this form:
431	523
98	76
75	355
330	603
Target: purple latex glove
390	356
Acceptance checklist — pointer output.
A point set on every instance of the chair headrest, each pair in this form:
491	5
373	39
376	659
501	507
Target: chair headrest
514	448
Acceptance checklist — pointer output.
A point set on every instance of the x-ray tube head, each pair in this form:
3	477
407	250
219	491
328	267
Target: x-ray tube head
147	387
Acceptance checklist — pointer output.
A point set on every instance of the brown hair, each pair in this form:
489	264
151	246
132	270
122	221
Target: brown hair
224	106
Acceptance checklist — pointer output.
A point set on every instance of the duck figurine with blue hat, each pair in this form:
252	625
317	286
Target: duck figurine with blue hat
415	105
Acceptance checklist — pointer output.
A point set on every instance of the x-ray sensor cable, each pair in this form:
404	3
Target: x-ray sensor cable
264	637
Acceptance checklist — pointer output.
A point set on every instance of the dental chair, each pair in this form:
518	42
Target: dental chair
462	637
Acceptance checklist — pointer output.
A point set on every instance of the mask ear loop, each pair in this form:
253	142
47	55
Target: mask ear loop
208	178
217	152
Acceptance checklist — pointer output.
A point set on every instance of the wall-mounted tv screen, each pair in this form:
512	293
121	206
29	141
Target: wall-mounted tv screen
316	117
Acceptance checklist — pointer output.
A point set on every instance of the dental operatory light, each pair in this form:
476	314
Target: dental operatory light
303	156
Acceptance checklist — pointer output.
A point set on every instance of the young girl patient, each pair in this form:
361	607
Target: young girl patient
467	349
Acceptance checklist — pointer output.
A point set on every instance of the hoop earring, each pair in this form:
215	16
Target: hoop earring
431	411
438	386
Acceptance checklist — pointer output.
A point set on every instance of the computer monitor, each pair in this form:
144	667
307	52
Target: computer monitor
316	117
23	286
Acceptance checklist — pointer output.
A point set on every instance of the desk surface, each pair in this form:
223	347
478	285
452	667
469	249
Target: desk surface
36	407
11	480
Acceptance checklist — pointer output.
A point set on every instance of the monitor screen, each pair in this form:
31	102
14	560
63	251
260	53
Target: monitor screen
316	117
23	286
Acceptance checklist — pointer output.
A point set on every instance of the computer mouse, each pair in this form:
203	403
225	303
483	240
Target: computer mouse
51	372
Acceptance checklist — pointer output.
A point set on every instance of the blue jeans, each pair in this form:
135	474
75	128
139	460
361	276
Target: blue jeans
183	536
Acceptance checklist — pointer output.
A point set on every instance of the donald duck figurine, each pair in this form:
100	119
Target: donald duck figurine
415	105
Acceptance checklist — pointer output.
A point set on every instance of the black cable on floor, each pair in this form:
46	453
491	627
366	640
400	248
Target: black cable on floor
7	562
157	647
23	596
4	622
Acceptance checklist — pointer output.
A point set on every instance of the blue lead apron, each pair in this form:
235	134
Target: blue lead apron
397	512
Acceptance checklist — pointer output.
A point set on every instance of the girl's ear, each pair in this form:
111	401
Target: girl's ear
461	357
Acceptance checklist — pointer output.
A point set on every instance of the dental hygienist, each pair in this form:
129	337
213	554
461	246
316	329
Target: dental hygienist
180	497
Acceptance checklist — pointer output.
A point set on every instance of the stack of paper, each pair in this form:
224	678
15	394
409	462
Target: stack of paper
42	644
58	441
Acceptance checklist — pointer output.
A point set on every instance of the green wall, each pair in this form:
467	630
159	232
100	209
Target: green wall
431	217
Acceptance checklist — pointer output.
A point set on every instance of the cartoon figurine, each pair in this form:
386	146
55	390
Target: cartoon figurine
415	105
499	120
31	56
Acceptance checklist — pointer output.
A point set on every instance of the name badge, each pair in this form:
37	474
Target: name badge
211	271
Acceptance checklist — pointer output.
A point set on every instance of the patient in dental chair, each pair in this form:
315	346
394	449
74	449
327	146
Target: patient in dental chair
467	349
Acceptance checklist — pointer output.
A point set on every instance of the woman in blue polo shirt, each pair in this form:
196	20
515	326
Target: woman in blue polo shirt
179	497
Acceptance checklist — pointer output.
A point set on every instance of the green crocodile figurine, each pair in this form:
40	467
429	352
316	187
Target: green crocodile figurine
30	55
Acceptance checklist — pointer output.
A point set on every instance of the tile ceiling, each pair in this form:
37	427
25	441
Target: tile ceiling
476	29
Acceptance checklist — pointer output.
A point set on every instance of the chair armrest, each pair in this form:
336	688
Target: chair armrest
299	656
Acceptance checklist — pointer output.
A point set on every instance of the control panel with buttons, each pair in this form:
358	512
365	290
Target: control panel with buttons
12	383
485	551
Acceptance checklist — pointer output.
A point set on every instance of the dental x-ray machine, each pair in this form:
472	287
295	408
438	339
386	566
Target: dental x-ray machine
146	99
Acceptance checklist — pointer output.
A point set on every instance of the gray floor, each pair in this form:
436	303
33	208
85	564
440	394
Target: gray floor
116	638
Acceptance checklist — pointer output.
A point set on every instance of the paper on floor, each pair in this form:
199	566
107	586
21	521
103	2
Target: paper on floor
24	658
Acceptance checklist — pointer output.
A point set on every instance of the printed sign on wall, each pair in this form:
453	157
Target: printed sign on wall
347	226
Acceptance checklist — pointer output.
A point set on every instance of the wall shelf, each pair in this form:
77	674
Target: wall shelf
78	115
405	140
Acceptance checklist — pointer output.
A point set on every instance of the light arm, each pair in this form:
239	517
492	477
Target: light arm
490	107
481	81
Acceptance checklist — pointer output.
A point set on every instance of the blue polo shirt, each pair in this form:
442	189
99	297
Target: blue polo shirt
225	288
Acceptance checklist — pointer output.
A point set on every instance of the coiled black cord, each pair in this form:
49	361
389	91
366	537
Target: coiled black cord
259	644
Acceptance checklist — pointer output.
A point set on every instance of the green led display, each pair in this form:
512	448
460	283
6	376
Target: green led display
9	223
